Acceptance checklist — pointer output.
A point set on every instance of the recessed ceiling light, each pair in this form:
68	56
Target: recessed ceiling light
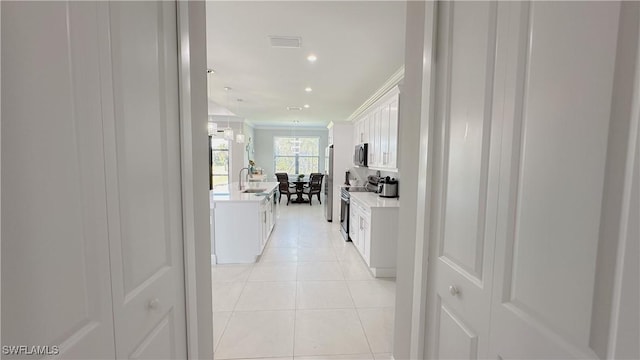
308	89
306	106
312	58
226	88
294	108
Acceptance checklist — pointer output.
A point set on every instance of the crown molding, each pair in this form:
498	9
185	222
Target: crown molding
392	82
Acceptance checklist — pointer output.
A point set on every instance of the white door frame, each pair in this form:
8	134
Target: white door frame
195	185
414	327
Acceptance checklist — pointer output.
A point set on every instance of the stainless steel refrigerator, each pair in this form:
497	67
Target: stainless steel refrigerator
328	183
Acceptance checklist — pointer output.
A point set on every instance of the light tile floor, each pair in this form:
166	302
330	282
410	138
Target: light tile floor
310	296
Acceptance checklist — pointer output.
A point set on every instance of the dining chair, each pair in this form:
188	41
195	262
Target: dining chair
315	186
284	187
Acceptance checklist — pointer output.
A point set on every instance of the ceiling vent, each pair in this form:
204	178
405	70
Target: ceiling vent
291	42
294	108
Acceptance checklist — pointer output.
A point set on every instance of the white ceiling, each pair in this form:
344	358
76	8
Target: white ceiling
359	45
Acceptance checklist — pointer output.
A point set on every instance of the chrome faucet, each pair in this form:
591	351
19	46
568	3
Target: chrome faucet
240	177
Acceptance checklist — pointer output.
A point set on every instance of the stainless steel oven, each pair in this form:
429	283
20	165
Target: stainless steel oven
344	213
345	196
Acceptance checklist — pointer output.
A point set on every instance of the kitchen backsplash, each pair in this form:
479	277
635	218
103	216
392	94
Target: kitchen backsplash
360	174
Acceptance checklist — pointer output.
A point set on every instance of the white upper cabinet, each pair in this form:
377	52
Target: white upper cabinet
392	156
379	128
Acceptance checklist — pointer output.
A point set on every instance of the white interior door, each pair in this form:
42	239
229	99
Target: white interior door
461	256
558	91
143	178
55	256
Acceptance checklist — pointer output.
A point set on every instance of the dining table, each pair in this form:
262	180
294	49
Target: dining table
299	183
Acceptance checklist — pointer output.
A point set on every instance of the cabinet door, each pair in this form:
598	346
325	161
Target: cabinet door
384	135
392	155
366	123
377	113
366	239
360	234
353	222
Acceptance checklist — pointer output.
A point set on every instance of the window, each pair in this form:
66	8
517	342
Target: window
219	161
296	155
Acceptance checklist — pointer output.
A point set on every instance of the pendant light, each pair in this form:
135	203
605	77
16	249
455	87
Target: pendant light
212	127
228	131
239	137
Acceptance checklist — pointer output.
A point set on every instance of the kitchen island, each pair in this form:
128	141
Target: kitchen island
242	221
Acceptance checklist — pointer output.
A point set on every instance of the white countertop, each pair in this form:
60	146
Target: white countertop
231	193
372	200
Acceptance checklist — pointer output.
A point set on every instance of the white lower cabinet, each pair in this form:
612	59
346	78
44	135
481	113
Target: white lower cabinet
354	223
267	218
373	231
242	228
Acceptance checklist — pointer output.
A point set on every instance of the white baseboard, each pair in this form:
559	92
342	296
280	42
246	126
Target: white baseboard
384	272
213	259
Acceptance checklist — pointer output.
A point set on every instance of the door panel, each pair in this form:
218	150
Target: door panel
470	61
552	183
140	136
158	344
55	260
143	168
455	339
464	210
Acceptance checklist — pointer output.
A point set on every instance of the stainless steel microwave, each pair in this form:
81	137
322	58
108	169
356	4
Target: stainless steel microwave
360	155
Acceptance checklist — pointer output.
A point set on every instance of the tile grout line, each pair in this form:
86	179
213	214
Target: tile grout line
358	314
360	320
232	312
295	301
224	329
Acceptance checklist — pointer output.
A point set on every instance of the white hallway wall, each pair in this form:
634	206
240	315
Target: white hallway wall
264	146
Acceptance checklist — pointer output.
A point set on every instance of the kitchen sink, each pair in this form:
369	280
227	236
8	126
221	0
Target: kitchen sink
252	191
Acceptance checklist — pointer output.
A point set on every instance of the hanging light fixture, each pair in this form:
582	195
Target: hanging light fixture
239	137
212	127
228	131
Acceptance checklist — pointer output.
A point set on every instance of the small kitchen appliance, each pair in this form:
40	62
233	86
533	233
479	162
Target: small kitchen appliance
388	187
